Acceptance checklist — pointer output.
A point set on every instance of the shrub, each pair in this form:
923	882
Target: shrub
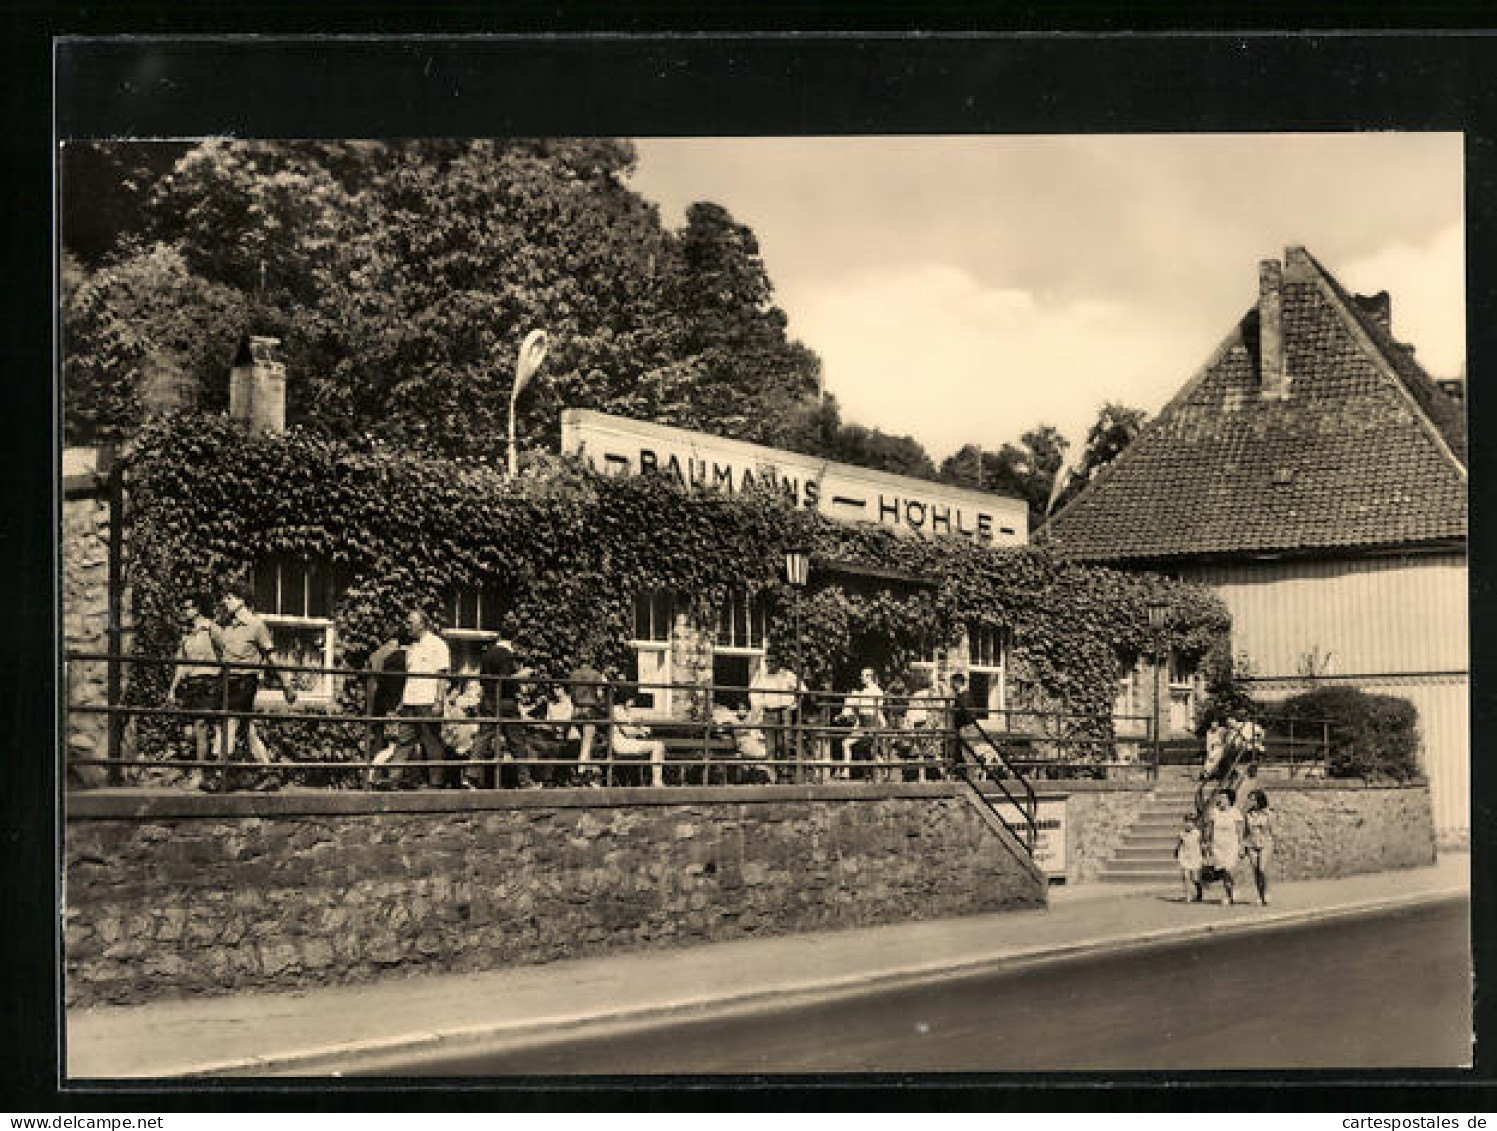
1372	736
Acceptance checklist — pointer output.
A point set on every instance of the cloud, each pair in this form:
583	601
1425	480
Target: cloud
930	350
965	289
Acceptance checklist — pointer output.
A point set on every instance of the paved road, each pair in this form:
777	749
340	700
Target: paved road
1391	990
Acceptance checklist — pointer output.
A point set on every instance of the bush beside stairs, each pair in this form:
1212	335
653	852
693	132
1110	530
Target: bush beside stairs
1146	854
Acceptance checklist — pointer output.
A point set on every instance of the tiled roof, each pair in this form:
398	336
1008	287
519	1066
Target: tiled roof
1364	451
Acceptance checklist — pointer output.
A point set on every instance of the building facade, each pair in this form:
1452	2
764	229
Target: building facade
1313	476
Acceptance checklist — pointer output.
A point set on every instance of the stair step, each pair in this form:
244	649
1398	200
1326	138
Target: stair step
1153	854
1139	878
1145	840
1146	865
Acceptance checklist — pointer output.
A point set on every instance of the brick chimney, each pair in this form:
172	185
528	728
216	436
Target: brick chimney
1273	374
257	385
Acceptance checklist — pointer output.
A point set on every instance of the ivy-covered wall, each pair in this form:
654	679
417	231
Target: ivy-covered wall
570	549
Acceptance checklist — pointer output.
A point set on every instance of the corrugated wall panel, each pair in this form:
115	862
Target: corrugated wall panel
1373	616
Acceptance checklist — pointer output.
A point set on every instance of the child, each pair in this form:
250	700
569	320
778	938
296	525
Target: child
1188	853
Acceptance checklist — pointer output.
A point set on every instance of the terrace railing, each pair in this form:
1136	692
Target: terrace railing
823	737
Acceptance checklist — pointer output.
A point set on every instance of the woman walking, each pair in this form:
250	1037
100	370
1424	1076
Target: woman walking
1226	840
1259	841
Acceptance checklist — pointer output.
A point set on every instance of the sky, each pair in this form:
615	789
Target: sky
965	289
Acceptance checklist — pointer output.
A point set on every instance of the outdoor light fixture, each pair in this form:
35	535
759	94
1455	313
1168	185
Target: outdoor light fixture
797	567
1158	614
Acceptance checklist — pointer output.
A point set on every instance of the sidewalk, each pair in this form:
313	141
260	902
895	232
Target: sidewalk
317	1032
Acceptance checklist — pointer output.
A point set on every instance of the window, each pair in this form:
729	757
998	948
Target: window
1182	694
654	613
1131	707
987	666
738	644
474	616
295	596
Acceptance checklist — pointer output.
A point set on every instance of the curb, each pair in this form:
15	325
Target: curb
548	1030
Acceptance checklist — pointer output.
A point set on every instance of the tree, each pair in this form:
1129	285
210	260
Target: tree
815	427
105	189
1117	426
1026	470
142	337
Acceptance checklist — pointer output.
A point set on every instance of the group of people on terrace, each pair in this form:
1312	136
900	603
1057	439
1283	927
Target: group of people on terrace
504	726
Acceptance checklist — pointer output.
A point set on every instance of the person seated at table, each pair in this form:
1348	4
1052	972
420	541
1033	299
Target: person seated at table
458	735
629	739
749	742
555	741
922	717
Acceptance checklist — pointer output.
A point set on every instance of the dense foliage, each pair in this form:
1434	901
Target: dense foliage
1117	426
1373	736
570	549
402	275
1026	470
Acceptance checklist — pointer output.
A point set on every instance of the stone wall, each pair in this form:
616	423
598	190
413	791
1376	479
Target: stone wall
1327	830
171	894
1097	815
85	622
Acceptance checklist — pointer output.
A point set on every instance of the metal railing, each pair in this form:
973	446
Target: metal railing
798	737
970	765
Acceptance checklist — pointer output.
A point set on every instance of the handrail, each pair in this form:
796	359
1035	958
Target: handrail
1030	806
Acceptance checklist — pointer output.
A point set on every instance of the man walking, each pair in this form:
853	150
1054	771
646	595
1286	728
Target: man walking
384	688
427	662
246	640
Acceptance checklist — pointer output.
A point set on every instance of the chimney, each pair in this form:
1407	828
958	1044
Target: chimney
1273	375
257	385
1379	307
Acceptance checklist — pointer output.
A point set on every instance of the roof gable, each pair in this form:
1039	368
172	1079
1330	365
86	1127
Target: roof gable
1363	451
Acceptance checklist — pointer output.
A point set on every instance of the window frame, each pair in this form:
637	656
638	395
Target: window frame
661	601
754	645
996	674
321	694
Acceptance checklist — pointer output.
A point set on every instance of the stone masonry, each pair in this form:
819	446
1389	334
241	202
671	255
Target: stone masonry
1344	830
166	906
85	623
1095	822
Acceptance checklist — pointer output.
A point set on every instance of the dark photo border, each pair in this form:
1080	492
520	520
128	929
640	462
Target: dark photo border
169	86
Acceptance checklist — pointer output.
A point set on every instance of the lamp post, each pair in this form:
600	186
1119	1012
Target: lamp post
527	361
1158	618
797	574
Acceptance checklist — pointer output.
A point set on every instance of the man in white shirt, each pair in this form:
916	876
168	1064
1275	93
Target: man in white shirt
427	661
772	697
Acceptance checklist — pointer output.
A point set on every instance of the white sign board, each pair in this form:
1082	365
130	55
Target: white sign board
1050	845
616	445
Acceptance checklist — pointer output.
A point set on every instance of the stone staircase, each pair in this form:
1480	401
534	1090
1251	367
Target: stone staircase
1147	852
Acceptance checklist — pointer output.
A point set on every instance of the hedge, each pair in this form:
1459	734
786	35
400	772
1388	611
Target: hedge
1372	736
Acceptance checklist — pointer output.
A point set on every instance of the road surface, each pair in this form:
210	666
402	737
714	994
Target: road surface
1390	990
